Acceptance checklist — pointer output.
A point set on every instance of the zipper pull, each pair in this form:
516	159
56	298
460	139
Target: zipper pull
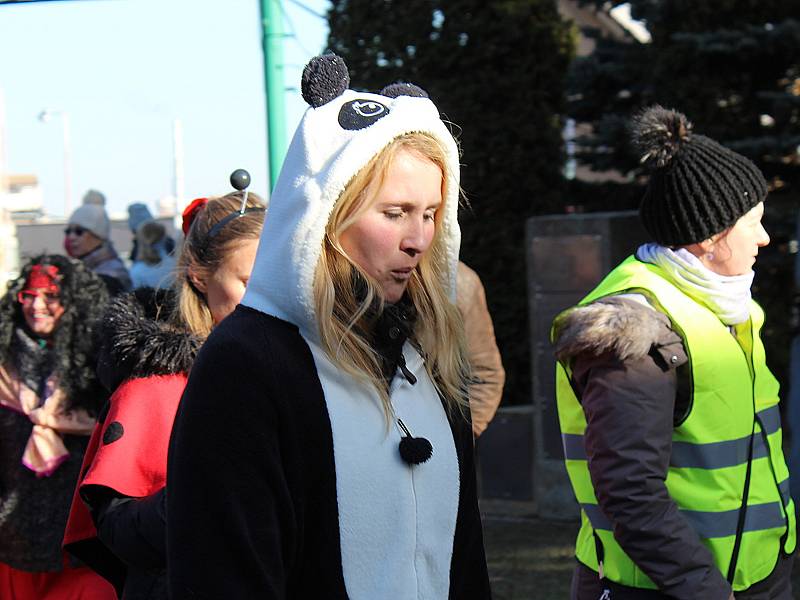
401	362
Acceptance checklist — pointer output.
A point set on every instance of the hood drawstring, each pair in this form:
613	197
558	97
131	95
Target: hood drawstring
401	362
413	450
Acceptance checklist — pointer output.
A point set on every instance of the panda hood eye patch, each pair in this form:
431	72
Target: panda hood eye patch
360	114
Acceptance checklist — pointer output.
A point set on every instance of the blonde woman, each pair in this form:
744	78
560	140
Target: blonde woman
323	447
151	338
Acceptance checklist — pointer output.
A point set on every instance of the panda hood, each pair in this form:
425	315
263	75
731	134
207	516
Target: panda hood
338	135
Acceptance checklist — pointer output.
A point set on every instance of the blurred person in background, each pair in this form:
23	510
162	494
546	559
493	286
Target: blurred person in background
486	365
87	238
138	213
150	339
49	397
154	266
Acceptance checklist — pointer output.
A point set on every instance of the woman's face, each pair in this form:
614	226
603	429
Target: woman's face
225	287
390	238
734	253
42	309
79	241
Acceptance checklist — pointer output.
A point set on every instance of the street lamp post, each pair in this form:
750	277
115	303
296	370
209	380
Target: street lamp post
45	116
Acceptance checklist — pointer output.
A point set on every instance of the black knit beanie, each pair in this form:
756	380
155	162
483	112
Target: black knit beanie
697	187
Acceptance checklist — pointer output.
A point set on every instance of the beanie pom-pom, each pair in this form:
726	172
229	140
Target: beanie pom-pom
659	133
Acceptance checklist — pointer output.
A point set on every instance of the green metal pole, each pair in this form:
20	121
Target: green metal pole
272	24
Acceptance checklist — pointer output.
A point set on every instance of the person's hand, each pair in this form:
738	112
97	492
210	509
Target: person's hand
732	597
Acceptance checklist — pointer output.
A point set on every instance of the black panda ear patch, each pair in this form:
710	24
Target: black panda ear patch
324	78
393	90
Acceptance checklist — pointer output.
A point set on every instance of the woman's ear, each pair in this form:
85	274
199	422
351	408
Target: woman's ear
708	245
196	280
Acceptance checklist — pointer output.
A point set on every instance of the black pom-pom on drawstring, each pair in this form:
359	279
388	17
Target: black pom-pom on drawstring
658	134
414	450
324	78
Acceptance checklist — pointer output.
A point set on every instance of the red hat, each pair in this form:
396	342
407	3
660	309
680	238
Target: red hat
42	277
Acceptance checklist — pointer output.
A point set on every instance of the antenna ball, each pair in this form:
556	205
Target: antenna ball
240	179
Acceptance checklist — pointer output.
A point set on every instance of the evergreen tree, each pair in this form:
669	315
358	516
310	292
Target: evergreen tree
732	67
495	69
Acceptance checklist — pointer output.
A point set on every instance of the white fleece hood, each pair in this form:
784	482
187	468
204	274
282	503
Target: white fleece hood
338	135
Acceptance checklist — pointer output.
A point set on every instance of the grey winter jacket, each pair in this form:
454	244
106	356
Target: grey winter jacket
628	369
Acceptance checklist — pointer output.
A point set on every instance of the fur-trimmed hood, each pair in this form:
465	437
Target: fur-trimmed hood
623	326
140	341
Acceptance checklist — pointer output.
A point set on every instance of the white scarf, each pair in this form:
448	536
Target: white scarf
728	297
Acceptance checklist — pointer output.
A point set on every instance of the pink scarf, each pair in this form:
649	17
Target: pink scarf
45	450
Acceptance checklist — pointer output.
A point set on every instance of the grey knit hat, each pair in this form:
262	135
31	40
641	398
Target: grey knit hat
697	187
92	217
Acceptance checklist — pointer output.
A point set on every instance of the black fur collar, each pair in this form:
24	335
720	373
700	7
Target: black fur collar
138	339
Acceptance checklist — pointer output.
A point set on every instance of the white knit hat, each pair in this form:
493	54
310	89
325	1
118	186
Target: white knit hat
92	217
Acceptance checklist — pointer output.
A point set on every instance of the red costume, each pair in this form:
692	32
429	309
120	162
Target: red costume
128	454
117	524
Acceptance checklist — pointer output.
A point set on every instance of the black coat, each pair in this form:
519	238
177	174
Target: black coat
252	499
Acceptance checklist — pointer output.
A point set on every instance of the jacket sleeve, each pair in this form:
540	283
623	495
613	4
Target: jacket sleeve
230	517
486	390
469	578
134	529
629	408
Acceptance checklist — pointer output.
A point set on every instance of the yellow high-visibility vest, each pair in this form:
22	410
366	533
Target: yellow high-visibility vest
733	416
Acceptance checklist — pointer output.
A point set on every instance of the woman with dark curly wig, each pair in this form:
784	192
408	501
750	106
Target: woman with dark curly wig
150	339
49	397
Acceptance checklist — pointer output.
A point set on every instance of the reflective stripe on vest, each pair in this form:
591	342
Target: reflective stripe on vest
733	396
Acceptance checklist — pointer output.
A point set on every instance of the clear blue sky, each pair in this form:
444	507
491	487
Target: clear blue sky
123	70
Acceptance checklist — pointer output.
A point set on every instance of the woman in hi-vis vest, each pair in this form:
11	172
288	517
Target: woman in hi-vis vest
669	415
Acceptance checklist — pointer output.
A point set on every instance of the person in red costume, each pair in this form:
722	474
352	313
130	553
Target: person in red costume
117	524
49	396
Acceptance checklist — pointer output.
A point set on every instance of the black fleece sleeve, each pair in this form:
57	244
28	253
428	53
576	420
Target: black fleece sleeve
134	529
230	524
629	410
469	576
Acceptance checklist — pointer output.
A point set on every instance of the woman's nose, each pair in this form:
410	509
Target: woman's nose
763	238
38	301
414	239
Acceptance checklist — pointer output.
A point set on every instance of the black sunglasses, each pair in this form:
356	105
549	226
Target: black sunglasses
77	230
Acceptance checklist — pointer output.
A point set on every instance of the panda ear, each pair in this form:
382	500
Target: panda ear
324	78
400	88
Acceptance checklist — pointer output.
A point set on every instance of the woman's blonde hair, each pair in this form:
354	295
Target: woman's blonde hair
343	311
202	254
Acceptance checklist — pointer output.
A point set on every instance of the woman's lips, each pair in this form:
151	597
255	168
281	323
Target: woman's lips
402	274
